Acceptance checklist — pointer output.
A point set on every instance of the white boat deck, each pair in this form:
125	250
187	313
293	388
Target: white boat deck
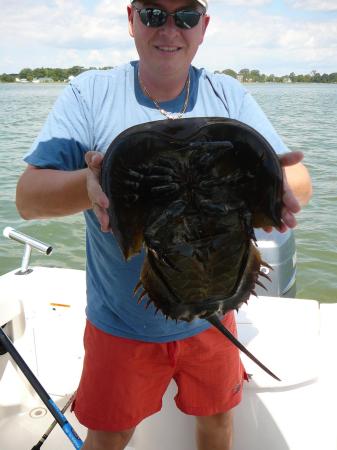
294	338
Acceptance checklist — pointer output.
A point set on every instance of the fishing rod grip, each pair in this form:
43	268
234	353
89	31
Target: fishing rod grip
45	436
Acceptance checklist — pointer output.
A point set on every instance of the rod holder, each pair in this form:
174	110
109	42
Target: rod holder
29	243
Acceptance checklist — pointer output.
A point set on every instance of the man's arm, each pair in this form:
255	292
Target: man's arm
47	193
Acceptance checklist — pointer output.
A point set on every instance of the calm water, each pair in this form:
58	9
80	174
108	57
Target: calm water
304	114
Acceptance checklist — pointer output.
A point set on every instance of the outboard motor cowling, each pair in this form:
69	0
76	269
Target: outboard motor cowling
279	251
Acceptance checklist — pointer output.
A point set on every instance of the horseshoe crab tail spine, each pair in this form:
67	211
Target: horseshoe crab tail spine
215	321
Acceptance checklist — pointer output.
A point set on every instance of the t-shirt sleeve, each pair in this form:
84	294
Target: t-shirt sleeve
252	114
66	134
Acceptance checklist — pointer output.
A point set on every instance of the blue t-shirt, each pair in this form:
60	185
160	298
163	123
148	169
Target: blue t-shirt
88	115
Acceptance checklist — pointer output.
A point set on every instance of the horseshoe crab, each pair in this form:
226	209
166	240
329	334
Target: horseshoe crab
191	191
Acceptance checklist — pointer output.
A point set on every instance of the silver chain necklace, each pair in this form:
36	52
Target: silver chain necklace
167	114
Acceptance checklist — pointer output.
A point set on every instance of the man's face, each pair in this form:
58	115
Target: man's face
167	49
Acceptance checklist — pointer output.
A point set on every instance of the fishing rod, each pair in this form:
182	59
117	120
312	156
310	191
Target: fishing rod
45	435
39	389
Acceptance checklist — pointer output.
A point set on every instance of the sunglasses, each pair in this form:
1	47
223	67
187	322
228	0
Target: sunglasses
156	17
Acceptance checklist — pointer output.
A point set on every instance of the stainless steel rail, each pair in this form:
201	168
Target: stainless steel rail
29	243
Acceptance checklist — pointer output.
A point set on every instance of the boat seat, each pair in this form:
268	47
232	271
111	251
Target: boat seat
284	335
9	309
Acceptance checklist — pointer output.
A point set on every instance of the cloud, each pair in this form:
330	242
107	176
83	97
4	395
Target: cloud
314	5
65	23
248	3
242	33
63	33
271	43
262	30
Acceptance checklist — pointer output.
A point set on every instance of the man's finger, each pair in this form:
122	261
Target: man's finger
291	158
289	219
291	202
102	217
95	192
94	159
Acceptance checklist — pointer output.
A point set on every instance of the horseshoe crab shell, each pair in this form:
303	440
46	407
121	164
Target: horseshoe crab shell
191	191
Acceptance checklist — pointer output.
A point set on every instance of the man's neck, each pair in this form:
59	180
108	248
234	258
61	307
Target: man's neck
162	88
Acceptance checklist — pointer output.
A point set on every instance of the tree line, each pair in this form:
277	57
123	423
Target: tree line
254	76
244	75
46	73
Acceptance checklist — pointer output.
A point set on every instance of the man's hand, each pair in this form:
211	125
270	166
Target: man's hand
99	200
291	205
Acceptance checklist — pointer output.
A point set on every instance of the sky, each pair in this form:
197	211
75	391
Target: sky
273	36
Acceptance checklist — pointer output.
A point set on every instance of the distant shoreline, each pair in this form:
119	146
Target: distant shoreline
60	83
56	75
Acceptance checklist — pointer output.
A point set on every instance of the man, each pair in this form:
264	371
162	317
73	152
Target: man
131	355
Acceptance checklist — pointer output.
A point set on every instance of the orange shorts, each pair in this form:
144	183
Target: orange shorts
123	380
